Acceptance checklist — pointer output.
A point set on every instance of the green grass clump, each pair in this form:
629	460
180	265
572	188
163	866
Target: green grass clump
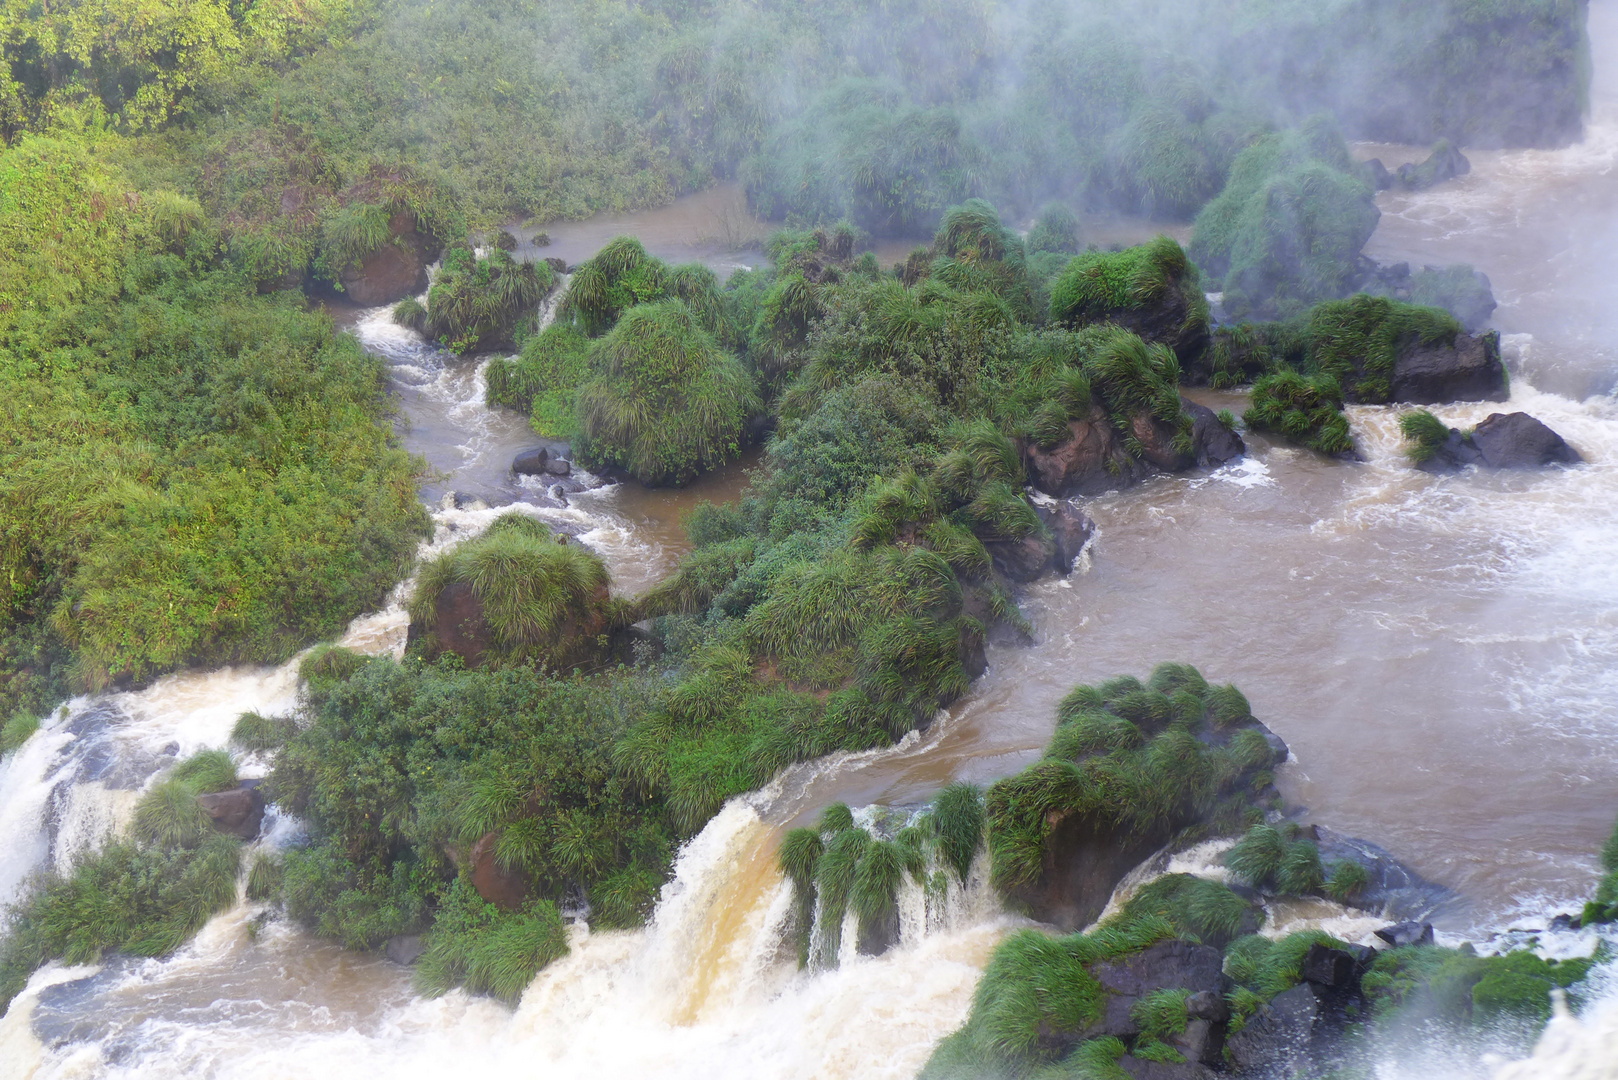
1457	987
261	733
957	823
168	816
1357	341
1458	289
1266	968
1102	286
1426	432
664	402
1604	908
1265	858
1345	880
539	599
17	730
1126	761
479	304
622	275
475	945
1288	227
544	380
1198	909
1305	408
1161	1014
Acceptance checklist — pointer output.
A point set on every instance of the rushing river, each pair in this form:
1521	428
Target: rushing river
1441	654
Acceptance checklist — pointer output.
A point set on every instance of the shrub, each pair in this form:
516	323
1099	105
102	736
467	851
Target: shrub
475	945
1357	341
664	402
1305	408
1345	880
1056	231
958	825
258	734
1204	910
1144	280
17	730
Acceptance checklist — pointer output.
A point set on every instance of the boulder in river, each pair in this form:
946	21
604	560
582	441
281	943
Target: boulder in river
531	462
1070	527
1211	441
237	812
1093	459
396	269
500	887
1469	369
1279	1036
1519	441
405	949
1401	935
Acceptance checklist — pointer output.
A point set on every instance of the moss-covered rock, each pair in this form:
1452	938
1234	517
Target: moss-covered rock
478	304
1130	766
664	402
1151	290
1287	230
1304	408
514	595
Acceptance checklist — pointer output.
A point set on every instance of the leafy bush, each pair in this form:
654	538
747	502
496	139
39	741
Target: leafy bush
1130	285
475	945
480	304
1056	231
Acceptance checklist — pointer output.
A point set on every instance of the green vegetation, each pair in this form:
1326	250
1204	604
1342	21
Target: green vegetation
484	304
1129	761
1357	340
1056	231
17	730
1198	909
193	474
1152	289
543	381
664	402
145	894
523	596
1265	858
839	865
1287	230
475	945
1305	408
1604	908
1426	432
1456	986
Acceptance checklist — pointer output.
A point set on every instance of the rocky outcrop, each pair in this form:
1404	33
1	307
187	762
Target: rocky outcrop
405	949
1503	441
500	887
1446	162
1023	560
1468	370
1093	458
1071	529
395	270
237	812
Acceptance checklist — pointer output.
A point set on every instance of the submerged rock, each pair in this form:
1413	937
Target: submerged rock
1213	442
531	462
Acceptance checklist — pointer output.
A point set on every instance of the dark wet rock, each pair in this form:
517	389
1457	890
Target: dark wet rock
1142	1069
500	887
505	241
877	938
1208	1005
531	462
237	812
541	239
1456	452
558	466
1446	162
1279	1035
1567	922
1333	968
1393	889
1212	442
1404	934
1023	560
395	270
973	653
1519	441
405	949
1166	965
1468	370
1201	1041
558	265
1090	461
1377	173
1071	528
1158	443
458	623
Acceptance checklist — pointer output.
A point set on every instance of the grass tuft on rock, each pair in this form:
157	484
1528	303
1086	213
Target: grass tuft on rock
1305	408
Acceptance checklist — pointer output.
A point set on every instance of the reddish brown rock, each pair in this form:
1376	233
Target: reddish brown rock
237	812
500	887
1090	461
393	271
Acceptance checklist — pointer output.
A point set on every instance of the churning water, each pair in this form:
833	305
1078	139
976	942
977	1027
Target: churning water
1441	654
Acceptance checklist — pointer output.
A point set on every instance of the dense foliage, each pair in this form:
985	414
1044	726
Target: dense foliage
191	473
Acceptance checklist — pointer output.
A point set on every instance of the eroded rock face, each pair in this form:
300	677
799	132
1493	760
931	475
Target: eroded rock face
1469	370
395	270
1213	442
238	812
1071	528
1280	1034
500	887
1093	460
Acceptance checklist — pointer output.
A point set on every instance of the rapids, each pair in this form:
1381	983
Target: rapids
1441	654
